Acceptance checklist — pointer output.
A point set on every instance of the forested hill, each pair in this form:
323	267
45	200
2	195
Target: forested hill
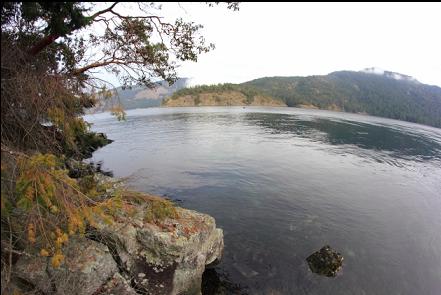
379	93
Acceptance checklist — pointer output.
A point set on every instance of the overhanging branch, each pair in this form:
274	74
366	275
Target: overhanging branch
48	40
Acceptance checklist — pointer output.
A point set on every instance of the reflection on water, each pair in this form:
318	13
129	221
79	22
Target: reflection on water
283	182
400	143
214	282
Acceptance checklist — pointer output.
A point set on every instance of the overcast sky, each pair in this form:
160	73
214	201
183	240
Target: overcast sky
301	39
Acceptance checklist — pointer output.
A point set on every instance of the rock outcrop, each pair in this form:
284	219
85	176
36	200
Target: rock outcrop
131	256
225	98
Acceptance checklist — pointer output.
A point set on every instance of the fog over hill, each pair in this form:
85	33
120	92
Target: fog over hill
140	96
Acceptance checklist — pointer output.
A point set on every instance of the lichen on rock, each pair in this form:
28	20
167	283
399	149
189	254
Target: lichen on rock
168	257
87	265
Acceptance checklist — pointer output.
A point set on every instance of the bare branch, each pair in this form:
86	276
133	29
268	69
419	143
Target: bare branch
103	11
102	64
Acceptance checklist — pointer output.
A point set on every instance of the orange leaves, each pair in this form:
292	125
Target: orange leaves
75	224
57	259
61	237
52	207
35	184
118	111
52	202
31	233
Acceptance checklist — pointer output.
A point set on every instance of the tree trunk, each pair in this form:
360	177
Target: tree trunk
46	41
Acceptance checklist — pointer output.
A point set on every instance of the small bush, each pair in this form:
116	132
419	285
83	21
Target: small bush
159	210
197	100
42	206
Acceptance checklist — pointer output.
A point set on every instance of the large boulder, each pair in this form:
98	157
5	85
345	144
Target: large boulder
167	257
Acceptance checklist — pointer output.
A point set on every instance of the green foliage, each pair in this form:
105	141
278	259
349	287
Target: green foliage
61	17
196	90
159	209
87	183
45	206
45	80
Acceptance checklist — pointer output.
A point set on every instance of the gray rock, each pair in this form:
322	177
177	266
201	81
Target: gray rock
117	285
325	262
86	267
168	258
33	270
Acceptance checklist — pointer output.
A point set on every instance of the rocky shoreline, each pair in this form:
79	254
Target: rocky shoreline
225	98
130	255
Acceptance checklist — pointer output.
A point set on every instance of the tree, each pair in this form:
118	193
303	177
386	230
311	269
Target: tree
45	45
47	82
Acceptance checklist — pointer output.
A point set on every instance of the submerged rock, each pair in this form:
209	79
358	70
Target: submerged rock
245	270
325	262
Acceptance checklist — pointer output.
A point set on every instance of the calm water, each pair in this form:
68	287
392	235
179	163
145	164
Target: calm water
282	182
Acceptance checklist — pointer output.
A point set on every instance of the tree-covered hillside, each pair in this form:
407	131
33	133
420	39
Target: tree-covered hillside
388	95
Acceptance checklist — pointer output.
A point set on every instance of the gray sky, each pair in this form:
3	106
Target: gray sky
300	39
